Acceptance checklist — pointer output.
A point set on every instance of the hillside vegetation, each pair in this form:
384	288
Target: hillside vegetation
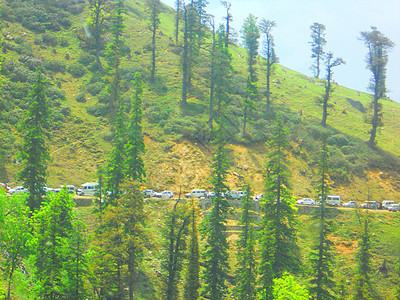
177	138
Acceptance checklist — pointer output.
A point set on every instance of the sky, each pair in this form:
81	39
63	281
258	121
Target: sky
343	19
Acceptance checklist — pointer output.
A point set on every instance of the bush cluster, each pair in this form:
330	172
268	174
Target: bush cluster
76	69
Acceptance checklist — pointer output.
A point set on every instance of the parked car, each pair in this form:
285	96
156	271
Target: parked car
148	193
333	200
306	201
18	189
386	203
89	189
236	194
212	195
196	194
352	204
166	194
369	205
394	207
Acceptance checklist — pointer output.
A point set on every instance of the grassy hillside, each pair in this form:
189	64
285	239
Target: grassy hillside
178	148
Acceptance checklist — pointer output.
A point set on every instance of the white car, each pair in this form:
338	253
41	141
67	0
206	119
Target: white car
18	189
166	194
196	194
394	207
306	201
149	193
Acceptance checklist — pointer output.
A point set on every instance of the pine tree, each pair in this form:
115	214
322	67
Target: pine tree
321	283
250	35
278	235
362	280
317	46
330	64
175	231
192	280
134	144
115	51
154	6
215	254
96	26
117	163
77	266
228	18
35	152
266	27
377	57
246	255
178	13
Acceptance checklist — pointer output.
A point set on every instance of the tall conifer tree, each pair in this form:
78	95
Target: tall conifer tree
135	144
250	35
321	259
377	58
278	235
246	255
155	23
192	280
266	27
35	152
216	246
317	46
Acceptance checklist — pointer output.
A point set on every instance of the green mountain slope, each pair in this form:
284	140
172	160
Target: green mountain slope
177	138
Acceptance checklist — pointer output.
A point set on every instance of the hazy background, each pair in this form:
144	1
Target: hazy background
343	19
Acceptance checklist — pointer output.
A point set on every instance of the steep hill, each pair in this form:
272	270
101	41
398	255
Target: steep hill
177	138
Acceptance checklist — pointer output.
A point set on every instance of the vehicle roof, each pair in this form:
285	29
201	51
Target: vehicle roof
90	183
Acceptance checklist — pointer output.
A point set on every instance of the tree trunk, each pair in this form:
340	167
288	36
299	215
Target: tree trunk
131	272
371	141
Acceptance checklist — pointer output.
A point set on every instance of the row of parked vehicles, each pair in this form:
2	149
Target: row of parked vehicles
87	189
198	193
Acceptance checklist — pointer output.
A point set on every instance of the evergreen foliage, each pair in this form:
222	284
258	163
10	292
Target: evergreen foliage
246	255
215	254
278	235
35	153
362	279
117	162
154	6
266	28
192	280
330	64
321	258
250	35
134	144
378	47
177	222
317	46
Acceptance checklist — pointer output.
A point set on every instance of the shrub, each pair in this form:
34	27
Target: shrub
77	70
189	127
95	88
65	110
49	40
81	98
55	65
54	93
104	96
97	110
158	113
63	42
339	140
86	58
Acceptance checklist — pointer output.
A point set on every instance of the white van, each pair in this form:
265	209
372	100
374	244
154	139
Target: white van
333	200
386	203
89	189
